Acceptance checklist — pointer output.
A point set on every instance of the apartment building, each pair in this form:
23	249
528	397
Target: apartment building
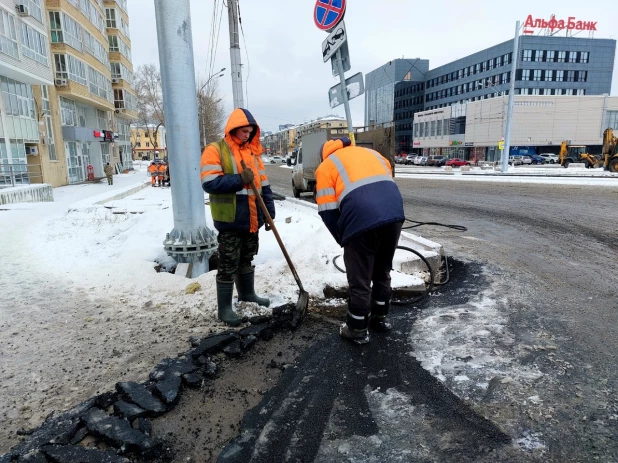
24	64
148	142
67	99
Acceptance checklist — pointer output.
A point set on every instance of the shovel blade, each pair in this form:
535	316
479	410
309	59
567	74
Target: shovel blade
300	311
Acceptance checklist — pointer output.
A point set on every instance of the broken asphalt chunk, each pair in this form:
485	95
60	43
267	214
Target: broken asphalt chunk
248	342
233	349
128	410
139	395
33	457
169	389
71	454
172	367
213	344
254	330
119	432
193	380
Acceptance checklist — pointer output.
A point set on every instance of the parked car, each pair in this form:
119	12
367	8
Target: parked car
400	159
424	160
410	159
526	159
537	159
515	160
435	160
417	160
550	158
456	162
276	159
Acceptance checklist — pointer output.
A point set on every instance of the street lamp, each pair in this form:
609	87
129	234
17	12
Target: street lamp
486	83
216	74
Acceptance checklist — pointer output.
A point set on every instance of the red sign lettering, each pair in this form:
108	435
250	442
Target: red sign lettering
554	24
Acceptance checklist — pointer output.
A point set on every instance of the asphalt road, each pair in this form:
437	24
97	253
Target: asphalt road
549	254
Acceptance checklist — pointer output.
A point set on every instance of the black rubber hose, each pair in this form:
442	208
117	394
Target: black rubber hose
437	224
412	300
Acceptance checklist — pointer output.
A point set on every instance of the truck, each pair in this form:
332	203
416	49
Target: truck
307	160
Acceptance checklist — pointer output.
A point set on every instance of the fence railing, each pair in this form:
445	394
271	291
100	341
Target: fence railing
20	174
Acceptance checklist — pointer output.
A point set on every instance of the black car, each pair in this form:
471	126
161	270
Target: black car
437	161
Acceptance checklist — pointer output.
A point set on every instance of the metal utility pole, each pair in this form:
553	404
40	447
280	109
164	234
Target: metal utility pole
190	241
232	13
509	114
344	93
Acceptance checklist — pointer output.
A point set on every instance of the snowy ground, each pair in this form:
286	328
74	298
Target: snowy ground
83	306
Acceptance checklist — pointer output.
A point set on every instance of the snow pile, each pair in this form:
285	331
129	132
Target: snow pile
116	246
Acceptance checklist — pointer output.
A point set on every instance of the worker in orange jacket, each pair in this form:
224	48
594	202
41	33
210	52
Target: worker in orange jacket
152	171
362	207
234	209
161	170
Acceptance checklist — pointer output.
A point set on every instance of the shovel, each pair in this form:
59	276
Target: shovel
303	299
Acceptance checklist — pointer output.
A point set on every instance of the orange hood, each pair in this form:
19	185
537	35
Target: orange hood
333	145
241	118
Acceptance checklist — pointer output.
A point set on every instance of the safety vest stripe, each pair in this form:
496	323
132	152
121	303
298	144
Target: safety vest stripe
328	206
325	192
356	317
265	183
245	192
380	158
232	156
209	178
262	172
214	167
341	169
365	181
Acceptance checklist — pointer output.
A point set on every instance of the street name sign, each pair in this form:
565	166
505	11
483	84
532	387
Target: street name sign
328	13
355	86
334	41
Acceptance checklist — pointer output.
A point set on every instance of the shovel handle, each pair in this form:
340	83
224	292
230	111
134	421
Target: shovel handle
271	224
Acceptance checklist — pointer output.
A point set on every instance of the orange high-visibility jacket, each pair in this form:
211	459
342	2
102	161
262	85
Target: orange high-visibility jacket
152	169
355	190
162	167
215	181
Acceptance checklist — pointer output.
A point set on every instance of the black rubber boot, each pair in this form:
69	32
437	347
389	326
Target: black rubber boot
225	291
245	287
377	321
355	328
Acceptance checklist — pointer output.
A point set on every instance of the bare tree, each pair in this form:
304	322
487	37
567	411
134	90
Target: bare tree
149	101
210	111
150	105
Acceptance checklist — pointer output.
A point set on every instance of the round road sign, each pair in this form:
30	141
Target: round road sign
328	13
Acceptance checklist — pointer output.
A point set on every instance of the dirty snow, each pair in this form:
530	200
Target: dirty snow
83	306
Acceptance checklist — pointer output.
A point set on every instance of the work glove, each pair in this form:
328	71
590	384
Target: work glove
247	176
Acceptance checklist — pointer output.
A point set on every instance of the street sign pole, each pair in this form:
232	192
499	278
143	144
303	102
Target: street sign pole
346	102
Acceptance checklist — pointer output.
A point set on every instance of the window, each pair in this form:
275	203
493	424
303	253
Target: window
584	57
105	153
8	37
113	43
96	49
67	66
99	85
68	112
483	66
55	27
525	74
490	64
18	100
583	76
549	75
580	91
538	55
567	91
559	76
572	56
110	14
506	59
477	68
537	75
101	119
34	45
527	56
570	76
34	9
550	56
439	130
562	56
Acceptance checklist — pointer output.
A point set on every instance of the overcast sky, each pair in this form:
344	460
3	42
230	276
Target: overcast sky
287	79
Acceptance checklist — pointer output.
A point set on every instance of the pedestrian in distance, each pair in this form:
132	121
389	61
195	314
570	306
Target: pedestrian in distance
234	210
153	172
109	173
362	207
161	168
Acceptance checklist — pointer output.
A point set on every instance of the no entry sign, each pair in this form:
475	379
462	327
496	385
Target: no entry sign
328	13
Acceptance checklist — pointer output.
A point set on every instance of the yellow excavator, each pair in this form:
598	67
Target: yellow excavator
608	159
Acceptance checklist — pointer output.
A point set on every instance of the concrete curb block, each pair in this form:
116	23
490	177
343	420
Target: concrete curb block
124	194
27	194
